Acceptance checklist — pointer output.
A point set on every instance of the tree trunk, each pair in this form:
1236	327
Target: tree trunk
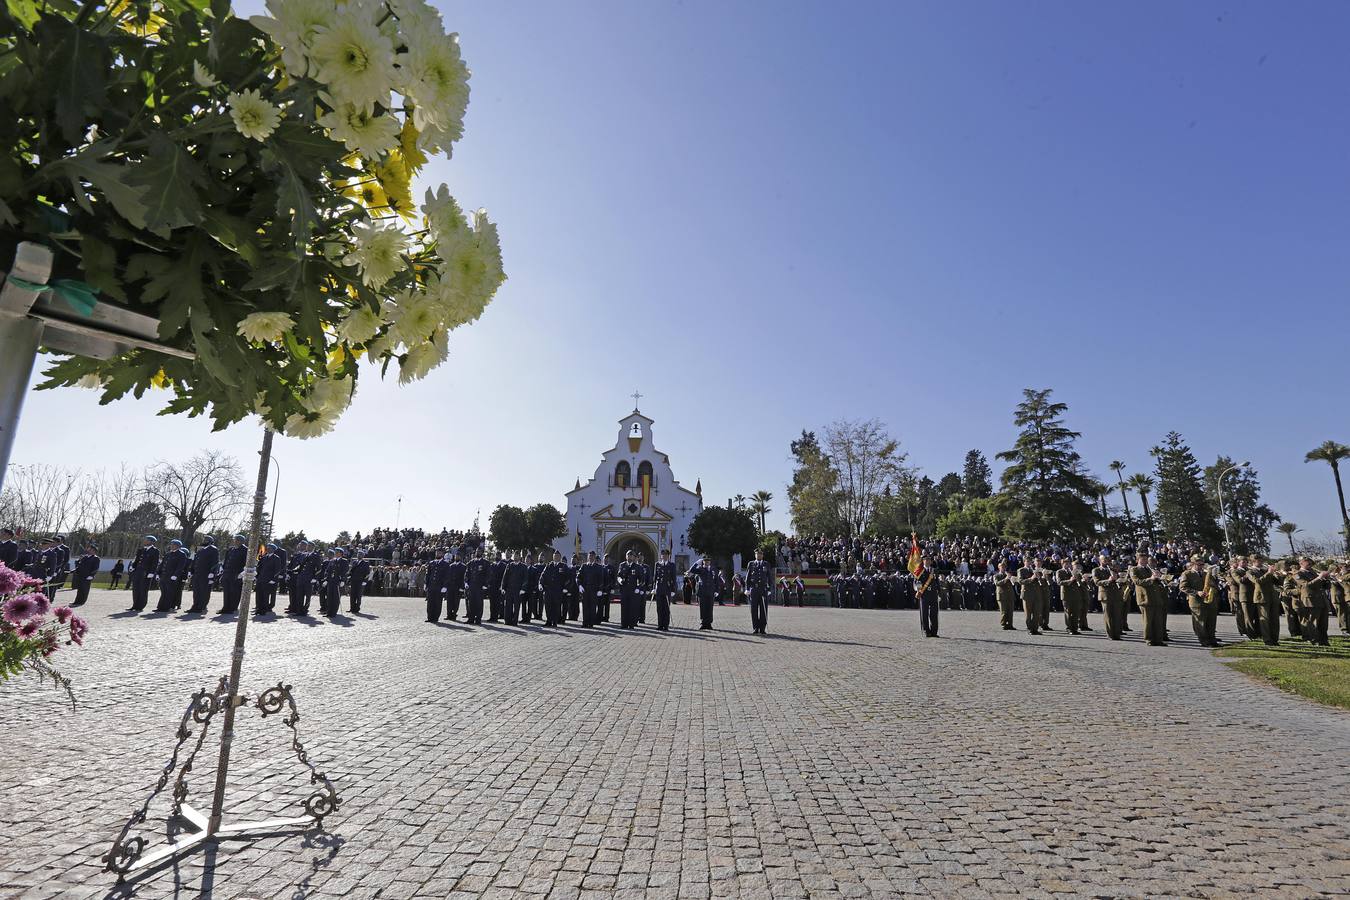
1125	498
1148	516
1290	535
1340	494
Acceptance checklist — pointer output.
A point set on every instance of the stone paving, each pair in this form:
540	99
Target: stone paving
843	755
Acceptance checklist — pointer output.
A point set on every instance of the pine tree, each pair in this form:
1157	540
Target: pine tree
976	476
1182	510
1045	491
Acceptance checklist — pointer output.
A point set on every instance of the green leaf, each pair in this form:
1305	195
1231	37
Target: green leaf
109	179
75	64
231	232
100	267
176	281
170	179
205	336
281	271
295	204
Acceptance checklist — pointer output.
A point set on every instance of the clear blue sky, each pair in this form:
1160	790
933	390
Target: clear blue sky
766	216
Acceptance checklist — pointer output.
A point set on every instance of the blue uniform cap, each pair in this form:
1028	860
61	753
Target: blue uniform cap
152	539
176	542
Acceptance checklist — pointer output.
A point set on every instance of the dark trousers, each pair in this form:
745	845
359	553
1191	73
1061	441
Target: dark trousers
116	581
511	607
573	606
606	598
434	605
232	589
759	609
170	595
264	597
705	609
526	606
628	609
662	609
590	608
333	594
82	591
299	601
201	596
354	600
473	606
494	605
928	613
140	592
553	608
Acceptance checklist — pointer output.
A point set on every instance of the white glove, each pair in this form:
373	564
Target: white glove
90	578
443	590
174	578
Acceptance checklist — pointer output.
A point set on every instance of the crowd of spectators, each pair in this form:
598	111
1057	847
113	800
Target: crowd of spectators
399	556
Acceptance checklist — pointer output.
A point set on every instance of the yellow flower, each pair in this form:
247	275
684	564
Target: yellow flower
367	192
396	181
159	379
413	157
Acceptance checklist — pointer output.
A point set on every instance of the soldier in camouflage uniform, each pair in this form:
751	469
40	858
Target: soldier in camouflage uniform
1111	595
1340	595
1289	591
1030	586
1265	585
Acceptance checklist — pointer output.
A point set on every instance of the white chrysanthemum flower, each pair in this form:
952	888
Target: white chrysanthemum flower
293	25
92	381
360	325
421	358
434	77
370	135
203	76
444	219
265	326
435	139
330	396
354	59
416	16
471	274
309	425
415	316
378	252
253	116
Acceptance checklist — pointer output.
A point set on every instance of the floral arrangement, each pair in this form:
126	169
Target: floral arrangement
31	631
249	183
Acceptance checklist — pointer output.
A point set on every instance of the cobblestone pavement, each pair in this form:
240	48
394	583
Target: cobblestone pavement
841	756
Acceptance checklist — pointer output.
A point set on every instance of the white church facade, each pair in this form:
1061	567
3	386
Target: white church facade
633	502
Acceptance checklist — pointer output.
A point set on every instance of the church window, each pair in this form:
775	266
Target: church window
645	468
623	474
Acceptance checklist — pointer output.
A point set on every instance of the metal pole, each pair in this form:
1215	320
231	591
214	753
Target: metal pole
276	489
20	336
399	513
240	631
1223	513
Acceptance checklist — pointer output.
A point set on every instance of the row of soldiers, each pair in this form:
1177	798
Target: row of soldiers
521	587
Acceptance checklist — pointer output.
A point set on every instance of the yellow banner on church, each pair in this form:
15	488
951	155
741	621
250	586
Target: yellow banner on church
646	489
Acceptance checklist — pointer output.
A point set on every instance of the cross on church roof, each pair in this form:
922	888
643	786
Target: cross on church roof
583	506
683	508
636	398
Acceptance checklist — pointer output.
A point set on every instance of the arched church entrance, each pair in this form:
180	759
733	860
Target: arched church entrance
638	543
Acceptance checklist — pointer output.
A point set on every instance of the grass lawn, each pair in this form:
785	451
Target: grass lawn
1318	673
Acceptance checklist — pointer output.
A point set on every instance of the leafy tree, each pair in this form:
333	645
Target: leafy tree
892	517
234	180
291	538
544	523
813	496
976	476
1249	519
721	532
145	518
508	528
976	516
1333	454
1044	489
1183	509
867	460
759	505
1142	485
930	505
1289	529
769	544
1119	468
948	486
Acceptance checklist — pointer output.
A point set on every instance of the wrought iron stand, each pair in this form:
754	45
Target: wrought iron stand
127	853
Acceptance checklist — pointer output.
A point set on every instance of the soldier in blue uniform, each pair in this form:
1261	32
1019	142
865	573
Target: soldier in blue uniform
455	577
706	580
494	589
438	589
573	611
630	586
202	568
664	582
232	575
173	568
271	567
307	573
477	575
551	583
535	596
337	580
61	572
925	590
759	585
9	548
86	567
514	578
143	568
293	574
359	575
591	582
611	576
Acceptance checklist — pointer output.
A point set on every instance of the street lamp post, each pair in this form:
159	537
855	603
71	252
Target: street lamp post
1223	512
276	487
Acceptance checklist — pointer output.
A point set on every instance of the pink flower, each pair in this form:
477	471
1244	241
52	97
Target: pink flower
78	629
49	644
17	610
63	614
44	605
9	579
29	629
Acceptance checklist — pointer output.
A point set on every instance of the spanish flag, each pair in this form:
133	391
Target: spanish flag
915	557
646	490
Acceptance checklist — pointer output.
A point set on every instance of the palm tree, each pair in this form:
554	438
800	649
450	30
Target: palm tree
739	501
1332	453
1118	467
1100	491
759	504
1289	529
1143	484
